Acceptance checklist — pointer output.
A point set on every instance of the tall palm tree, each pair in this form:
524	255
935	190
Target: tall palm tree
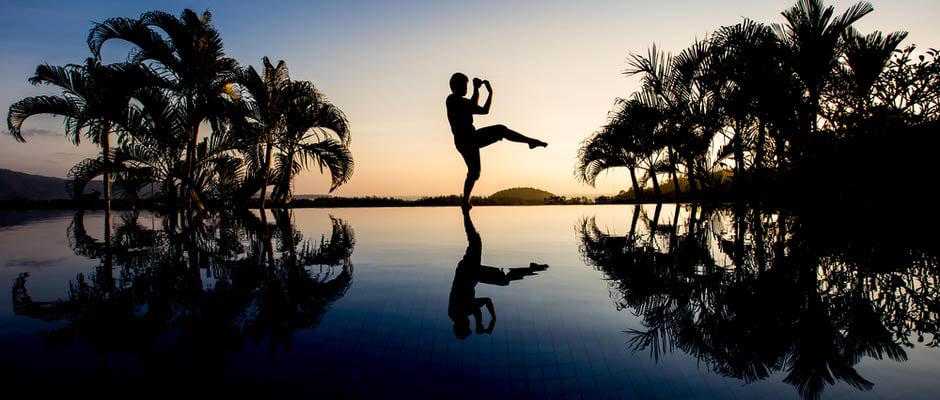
188	52
866	57
659	80
316	133
812	38
699	112
673	85
757	94
295	119
265	99
94	101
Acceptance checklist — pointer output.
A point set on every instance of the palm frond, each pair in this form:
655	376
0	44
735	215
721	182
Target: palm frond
149	44
849	17
71	109
82	173
330	154
71	78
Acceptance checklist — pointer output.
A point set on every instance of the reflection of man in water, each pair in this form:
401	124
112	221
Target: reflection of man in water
463	300
470	140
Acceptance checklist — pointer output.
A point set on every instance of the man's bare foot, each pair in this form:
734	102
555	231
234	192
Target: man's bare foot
537	143
538	267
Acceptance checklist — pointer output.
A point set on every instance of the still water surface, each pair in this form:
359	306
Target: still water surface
504	302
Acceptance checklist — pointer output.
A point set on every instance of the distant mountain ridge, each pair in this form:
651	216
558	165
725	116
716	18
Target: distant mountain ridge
525	194
20	185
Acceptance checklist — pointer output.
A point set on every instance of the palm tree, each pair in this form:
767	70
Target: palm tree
659	84
674	86
623	142
94	101
866	57
158	141
316	133
699	113
187	51
757	94
812	38
295	119
264	97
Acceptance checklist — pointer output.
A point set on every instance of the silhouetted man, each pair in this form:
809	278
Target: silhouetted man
463	301
470	140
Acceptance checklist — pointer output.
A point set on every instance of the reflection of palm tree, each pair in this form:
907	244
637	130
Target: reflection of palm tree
463	301
812	311
159	295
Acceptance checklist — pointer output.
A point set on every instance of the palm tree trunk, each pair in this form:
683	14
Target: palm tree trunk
673	166
637	193
187	186
192	135
290	177
267	169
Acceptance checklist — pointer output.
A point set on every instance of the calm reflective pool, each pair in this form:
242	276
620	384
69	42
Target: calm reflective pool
503	302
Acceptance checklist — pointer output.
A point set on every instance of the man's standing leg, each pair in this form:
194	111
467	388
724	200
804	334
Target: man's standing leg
471	156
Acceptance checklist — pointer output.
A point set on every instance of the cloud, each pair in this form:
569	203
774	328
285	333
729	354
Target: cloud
32	132
40	132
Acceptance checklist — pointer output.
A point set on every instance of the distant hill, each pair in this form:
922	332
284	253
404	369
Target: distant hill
522	194
19	185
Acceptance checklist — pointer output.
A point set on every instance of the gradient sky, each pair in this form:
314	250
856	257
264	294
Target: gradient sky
555	67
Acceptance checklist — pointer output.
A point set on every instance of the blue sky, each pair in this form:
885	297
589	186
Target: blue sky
555	67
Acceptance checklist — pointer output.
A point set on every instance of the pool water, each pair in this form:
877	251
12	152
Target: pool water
567	302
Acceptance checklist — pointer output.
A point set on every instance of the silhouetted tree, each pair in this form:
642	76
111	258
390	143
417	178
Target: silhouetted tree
188	52
296	119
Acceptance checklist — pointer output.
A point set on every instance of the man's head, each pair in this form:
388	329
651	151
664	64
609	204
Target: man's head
458	83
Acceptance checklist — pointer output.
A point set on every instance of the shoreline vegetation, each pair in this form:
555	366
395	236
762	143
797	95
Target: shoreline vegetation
507	197
519	196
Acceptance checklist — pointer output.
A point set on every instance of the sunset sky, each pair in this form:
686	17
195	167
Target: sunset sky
555	67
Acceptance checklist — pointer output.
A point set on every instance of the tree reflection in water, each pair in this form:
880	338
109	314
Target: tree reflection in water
188	293
800	294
